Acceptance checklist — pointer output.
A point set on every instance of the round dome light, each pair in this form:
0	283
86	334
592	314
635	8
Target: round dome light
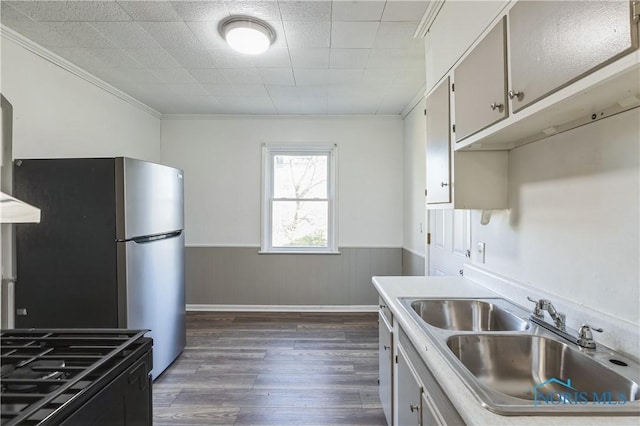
247	35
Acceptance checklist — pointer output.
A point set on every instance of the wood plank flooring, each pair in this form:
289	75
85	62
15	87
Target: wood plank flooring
273	369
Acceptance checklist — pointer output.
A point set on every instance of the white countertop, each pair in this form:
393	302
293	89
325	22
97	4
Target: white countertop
468	405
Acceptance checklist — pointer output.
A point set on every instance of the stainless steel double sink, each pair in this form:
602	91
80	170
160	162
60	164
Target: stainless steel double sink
515	367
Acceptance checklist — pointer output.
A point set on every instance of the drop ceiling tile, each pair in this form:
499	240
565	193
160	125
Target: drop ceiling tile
98	58
174	76
309	11
242	90
276	91
310	58
345	76
353	34
8	15
392	106
396	35
349	58
311	76
117	76
273	58
394	58
403	10
213	11
153	58
357	10
297	91
159	11
64	34
195	57
247	105
126	34
208	75
322	76
380	76
171	34
227	58
186	89
281	39
265	10
297	105
307	34
353	105
277	76
63	11
207	34
247	76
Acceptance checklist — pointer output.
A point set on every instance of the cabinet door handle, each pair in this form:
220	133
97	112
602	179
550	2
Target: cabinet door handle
414	407
443	184
386	348
495	106
515	94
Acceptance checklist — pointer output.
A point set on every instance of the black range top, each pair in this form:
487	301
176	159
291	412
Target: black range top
84	376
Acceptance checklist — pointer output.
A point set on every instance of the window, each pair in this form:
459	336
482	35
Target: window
299	199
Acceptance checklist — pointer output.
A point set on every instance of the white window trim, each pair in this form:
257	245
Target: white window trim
268	150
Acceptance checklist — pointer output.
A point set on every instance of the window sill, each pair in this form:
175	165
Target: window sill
297	252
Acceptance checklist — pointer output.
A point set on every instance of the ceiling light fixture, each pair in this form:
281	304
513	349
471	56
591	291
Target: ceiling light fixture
246	34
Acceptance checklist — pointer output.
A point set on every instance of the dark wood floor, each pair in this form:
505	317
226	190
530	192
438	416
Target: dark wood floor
273	369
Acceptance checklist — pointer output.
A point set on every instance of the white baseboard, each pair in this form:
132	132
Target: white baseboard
281	308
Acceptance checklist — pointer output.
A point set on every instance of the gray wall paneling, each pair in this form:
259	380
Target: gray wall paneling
412	264
241	276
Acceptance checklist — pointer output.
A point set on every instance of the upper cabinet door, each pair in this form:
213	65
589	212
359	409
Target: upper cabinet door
438	145
554	43
481	84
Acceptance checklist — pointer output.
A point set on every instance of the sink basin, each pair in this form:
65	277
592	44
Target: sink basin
467	315
537	368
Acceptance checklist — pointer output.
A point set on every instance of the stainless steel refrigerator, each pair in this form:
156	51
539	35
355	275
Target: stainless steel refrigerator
108	252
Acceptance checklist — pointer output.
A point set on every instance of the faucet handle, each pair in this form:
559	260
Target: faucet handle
585	330
585	337
537	311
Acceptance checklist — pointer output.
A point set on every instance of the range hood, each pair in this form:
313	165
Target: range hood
13	210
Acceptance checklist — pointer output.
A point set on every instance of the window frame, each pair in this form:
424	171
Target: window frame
268	152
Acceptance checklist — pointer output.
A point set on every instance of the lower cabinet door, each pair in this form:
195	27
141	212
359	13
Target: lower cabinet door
430	415
409	393
385	362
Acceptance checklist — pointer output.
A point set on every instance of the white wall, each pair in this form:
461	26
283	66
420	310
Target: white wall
414	226
58	114
573	225
221	157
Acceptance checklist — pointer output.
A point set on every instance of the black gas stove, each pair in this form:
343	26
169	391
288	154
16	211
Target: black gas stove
75	377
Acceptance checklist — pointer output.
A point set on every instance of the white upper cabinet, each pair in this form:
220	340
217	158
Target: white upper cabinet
554	43
566	63
480	84
438	145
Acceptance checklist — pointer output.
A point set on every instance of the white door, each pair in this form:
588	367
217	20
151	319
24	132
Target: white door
450	241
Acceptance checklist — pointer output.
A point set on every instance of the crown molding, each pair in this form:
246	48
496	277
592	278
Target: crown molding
49	56
427	19
279	117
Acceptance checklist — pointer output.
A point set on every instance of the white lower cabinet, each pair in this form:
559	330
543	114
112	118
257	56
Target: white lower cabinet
421	400
385	362
409	392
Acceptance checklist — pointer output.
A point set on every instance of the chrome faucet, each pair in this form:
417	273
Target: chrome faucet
584	338
546	305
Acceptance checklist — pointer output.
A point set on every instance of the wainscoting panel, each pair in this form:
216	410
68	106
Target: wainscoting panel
241	276
412	264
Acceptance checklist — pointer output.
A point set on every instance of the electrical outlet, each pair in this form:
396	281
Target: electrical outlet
481	252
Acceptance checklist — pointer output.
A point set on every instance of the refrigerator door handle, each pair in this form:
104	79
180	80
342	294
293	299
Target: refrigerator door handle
152	238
